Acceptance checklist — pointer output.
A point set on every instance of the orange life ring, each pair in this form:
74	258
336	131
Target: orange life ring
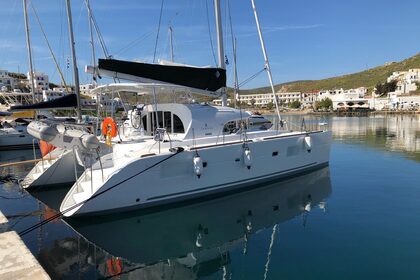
114	266
109	126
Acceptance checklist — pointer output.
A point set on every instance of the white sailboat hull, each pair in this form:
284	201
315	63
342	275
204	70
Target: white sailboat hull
15	139
58	171
224	169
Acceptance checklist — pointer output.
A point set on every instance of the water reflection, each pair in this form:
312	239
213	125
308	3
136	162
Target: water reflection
396	133
190	241
400	133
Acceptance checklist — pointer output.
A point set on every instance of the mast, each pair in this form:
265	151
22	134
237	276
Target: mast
267	64
235	75
75	70
92	44
235	71
28	45
171	43
220	49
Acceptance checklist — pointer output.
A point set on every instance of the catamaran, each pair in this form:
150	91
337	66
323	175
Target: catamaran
185	151
169	152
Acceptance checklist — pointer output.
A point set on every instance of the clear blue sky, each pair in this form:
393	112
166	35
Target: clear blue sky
305	39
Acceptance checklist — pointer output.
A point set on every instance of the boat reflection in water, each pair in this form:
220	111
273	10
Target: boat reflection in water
191	241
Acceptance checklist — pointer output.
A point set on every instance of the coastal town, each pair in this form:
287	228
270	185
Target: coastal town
403	96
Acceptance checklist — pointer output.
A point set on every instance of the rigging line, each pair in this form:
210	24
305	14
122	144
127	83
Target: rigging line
49	46
251	78
132	43
100	38
101	41
209	30
157	35
92	42
60	214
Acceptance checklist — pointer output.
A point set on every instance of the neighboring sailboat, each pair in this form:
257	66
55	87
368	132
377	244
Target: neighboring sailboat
54	169
13	135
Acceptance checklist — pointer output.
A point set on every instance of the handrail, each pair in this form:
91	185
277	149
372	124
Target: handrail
75	166
33	149
100	164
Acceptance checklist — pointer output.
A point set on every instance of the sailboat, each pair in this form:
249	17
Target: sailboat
178	152
53	168
185	151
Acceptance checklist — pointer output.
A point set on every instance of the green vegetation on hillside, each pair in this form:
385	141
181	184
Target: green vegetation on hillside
368	78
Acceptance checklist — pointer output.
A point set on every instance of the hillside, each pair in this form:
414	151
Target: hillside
368	78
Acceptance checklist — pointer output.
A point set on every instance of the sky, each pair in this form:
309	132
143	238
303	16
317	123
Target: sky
305	39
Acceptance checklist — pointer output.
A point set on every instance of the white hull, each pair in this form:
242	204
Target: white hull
59	170
15	139
174	179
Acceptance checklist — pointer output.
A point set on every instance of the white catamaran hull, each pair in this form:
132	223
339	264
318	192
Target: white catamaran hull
225	168
58	168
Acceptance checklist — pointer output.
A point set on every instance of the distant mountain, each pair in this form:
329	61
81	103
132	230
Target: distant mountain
368	78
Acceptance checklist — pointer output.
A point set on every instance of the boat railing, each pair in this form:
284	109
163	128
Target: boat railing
35	158
75	166
223	136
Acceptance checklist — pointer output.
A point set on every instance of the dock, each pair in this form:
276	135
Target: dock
3	223
16	261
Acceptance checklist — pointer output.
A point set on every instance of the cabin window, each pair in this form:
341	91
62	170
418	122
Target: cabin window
144	121
167	119
171	122
231	127
178	126
160	118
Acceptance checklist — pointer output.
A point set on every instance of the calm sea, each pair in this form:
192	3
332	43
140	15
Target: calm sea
357	219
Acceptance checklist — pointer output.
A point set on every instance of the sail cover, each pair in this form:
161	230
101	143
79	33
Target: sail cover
67	101
210	79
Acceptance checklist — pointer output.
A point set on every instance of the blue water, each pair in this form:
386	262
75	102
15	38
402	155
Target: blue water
356	219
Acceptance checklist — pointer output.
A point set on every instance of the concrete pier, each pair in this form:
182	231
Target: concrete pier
3	223
16	261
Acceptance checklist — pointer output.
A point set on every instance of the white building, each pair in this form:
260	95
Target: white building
86	88
48	95
41	81
289	97
6	82
263	99
406	80
396	102
309	98
259	100
349	99
404	103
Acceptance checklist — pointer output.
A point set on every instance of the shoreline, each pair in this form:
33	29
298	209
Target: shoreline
308	112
